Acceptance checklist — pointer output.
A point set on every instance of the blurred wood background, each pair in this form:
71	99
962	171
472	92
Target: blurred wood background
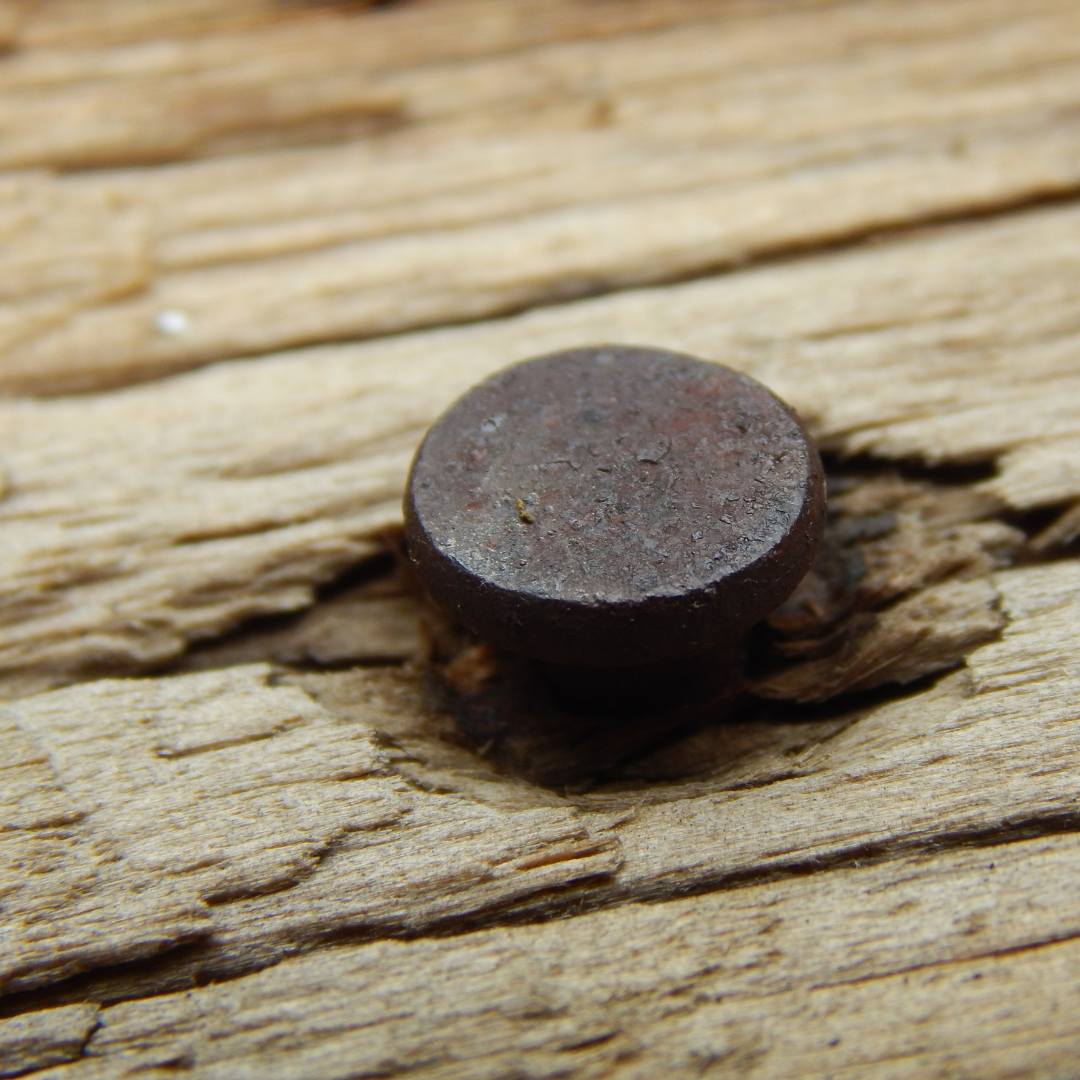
265	814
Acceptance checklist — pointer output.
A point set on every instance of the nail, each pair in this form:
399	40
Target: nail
614	508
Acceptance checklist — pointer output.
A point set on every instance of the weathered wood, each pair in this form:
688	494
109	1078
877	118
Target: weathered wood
378	622
67	905
45	1038
552	168
302	823
879	883
224	786
234	491
414	32
930	631
856	972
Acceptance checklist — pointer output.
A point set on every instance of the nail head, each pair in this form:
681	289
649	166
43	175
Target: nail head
614	506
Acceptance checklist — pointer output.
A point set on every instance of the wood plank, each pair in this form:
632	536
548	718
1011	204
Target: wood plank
195	79
236	490
68	903
945	762
45	1038
938	962
220	786
38	23
418	27
203	870
552	168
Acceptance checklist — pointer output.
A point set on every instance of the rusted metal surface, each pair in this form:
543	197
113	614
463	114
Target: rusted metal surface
614	506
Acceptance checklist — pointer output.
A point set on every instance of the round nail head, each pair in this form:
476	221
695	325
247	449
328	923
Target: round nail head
614	506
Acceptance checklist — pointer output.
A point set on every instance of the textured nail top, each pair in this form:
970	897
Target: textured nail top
614	506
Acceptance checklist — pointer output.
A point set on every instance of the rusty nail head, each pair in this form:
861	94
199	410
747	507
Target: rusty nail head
614	506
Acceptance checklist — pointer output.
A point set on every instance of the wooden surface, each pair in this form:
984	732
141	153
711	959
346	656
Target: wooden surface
263	812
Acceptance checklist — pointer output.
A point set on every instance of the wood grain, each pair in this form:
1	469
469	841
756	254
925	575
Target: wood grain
219	789
234	491
45	1038
857	972
319	835
657	144
68	904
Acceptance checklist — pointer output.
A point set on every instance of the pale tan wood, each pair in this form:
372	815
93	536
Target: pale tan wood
551	168
218	788
142	520
160	832
418	26
180	94
11	18
951	760
66	903
377	622
937	626
300	822
107	253
45	1038
84	24
891	970
60	31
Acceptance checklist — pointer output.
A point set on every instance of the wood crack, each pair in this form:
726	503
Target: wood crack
734	958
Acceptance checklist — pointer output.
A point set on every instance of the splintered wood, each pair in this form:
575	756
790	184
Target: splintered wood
49	1037
232	795
800	978
143	519
989	747
666	140
325	832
